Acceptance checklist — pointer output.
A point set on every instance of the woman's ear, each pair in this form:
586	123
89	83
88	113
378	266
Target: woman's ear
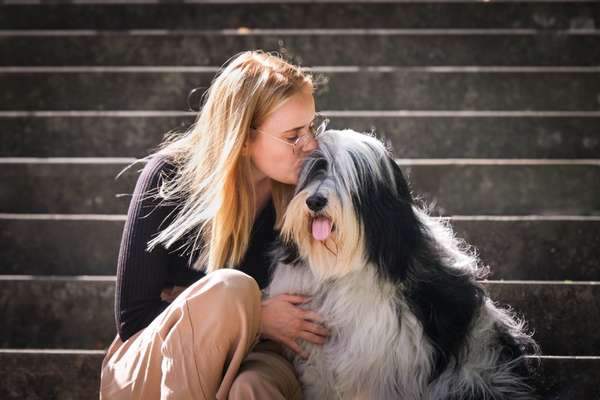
249	139
246	147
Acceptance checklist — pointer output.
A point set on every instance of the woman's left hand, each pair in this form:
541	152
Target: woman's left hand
169	294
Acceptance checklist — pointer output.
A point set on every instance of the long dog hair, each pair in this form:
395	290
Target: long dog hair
397	290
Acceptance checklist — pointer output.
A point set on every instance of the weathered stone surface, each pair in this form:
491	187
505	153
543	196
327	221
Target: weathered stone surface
60	247
65	375
530	249
558	313
567	378
66	188
515	249
507	189
51	375
210	49
457	188
78	313
293	15
410	137
57	313
340	90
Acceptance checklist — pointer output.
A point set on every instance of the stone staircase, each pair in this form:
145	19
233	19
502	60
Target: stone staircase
493	109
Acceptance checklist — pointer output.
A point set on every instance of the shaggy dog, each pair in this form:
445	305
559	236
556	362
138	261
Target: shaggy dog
397	290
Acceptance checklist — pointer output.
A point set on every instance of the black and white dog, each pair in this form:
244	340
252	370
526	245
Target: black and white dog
398	291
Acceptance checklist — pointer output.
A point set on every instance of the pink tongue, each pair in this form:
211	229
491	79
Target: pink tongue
321	228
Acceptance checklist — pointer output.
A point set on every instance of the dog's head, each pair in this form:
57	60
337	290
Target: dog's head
352	206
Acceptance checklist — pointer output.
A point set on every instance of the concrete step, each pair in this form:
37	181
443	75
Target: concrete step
495	187
46	374
312	47
412	134
515	248
340	88
304	14
50	374
77	312
57	312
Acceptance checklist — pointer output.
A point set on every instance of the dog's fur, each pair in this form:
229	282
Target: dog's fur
398	291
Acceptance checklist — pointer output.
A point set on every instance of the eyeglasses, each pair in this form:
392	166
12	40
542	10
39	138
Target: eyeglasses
316	129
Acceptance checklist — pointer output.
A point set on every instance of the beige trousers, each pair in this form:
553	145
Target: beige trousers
204	345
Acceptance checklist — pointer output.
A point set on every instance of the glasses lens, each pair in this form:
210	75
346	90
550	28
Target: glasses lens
318	126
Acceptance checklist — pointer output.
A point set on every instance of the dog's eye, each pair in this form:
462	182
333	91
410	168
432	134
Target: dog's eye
319	166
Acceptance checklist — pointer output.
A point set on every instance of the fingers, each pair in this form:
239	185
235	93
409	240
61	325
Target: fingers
315	328
167	295
179	289
311	337
311	315
295	299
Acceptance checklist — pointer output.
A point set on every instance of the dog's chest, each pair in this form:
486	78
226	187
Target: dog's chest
359	314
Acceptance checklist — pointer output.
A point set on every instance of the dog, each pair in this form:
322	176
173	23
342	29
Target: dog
398	291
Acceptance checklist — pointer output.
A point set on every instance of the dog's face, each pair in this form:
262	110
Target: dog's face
349	195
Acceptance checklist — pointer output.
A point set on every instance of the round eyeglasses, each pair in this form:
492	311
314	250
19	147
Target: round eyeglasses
317	128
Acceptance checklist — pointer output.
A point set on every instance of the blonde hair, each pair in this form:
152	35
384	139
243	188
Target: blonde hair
212	177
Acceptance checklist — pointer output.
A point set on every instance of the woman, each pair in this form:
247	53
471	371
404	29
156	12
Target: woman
202	330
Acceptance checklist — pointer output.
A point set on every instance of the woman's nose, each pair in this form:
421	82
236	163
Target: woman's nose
310	145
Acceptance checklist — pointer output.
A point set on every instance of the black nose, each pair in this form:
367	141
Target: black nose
316	202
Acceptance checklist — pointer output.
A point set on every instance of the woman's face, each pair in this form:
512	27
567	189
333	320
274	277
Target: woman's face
271	157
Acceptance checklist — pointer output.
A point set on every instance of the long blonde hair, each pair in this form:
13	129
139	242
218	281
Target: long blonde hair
212	177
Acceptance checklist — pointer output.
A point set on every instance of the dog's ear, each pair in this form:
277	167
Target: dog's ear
402	186
393	231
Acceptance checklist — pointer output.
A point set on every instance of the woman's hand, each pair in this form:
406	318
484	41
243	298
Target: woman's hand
169	294
284	322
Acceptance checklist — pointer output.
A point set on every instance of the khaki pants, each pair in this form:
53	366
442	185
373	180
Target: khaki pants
204	345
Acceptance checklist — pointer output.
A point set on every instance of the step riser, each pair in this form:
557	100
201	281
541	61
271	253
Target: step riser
318	50
533	15
458	189
411	137
58	314
515	250
398	90
51	376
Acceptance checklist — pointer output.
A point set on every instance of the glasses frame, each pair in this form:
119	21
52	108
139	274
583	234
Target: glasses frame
315	132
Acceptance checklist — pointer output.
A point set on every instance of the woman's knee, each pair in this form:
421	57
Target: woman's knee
261	382
231	285
246	385
237	279
237	283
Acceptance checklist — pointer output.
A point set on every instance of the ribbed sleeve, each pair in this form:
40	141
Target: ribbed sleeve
142	275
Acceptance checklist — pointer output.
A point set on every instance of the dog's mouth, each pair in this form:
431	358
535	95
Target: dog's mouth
321	227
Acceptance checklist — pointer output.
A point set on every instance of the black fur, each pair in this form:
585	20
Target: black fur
399	244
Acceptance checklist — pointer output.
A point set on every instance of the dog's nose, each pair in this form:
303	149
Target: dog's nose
316	202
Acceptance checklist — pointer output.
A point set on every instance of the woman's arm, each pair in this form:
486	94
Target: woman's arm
141	275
